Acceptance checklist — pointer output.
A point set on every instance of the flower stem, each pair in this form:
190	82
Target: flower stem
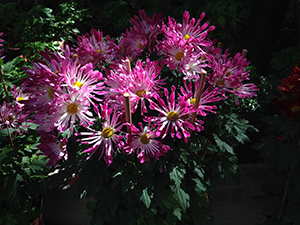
198	96
127	110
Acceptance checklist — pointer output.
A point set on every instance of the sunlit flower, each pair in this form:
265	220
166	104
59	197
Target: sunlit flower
144	144
171	117
102	141
176	52
146	28
71	107
189	30
229	74
95	48
84	79
19	95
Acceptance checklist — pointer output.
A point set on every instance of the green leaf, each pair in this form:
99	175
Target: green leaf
200	187
223	146
145	198
182	197
177	174
177	213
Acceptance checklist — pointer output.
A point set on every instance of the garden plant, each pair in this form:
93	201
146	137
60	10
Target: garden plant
142	123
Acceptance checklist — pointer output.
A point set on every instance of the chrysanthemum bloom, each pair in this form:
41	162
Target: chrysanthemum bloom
189	30
54	61
13	116
289	108
103	140
72	106
229	73
176	52
142	83
146	28
209	95
245	91
194	65
76	77
133	44
172	116
291	84
42	95
19	95
95	49
144	144
52	148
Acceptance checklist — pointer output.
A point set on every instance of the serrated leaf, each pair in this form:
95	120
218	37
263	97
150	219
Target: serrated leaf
182	197
223	146
177	174
145	198
199	188
177	213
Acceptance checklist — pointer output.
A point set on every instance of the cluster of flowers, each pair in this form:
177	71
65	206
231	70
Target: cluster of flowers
94	81
287	101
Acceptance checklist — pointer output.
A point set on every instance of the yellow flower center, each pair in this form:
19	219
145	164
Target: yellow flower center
295	109
72	108
186	37
107	132
291	87
50	93
193	100
98	51
75	56
140	93
145	139
56	72
172	116
10	118
20	99
179	56
78	84
140	46
220	82
61	145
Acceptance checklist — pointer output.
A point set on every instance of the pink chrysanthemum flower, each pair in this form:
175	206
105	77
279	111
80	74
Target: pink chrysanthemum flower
77	77
13	116
172	116
95	49
148	28
144	144
176	53
103	140
133	44
189	30
42	96
53	149
228	73
194	65
142	83
72	106
245	91
19	95
208	96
